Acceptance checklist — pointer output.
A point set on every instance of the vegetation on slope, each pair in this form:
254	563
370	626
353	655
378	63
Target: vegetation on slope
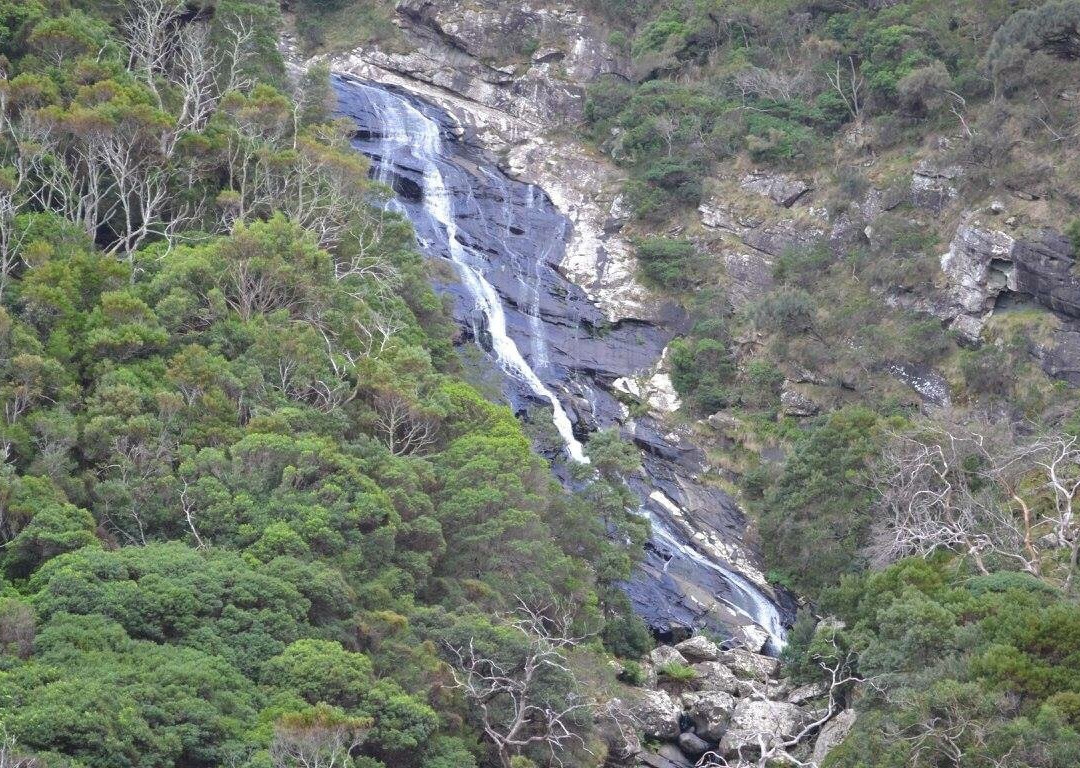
967	651
247	509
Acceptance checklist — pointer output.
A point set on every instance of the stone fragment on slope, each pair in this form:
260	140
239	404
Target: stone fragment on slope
832	733
699	648
657	714
665	654
710	712
751	665
774	719
715	676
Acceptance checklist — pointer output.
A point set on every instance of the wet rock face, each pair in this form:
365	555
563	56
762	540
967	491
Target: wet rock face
696	574
983	263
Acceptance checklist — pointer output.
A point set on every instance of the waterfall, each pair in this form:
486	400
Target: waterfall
505	240
405	129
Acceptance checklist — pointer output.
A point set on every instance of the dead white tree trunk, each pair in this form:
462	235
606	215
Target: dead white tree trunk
513	709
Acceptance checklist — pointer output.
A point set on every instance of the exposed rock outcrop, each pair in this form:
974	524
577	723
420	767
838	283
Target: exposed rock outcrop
832	733
482	52
782	190
795	403
1061	359
934	185
657	714
699	648
710	712
751	719
983	263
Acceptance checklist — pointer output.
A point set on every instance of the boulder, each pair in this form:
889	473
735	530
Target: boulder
749	688
668	756
724	423
657	714
773	719
710	711
692	745
698	648
715	676
755	637
782	190
665	654
805	693
832	733
750	665
933	185
618	733
795	403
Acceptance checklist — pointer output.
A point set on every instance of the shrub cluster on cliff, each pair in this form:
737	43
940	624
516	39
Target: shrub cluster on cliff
246	506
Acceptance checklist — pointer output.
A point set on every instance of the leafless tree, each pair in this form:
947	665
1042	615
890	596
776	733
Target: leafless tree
15	196
974	491
514	713
403	429
149	28
316	742
1056	460
10	756
849	85
17	631
764	83
187	506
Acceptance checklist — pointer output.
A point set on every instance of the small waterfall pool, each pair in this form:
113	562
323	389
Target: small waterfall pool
506	241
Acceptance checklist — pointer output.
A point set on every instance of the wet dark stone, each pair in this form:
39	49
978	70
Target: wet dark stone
514	236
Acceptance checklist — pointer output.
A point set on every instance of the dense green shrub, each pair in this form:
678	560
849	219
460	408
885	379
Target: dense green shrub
815	517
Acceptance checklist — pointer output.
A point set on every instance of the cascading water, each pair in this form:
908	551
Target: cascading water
407	129
506	240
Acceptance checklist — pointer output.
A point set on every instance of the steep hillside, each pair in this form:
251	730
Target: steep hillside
868	213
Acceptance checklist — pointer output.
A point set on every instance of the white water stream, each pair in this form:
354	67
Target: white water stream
404	127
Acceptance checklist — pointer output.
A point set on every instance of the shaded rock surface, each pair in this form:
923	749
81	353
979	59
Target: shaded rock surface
668	756
984	263
710	712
